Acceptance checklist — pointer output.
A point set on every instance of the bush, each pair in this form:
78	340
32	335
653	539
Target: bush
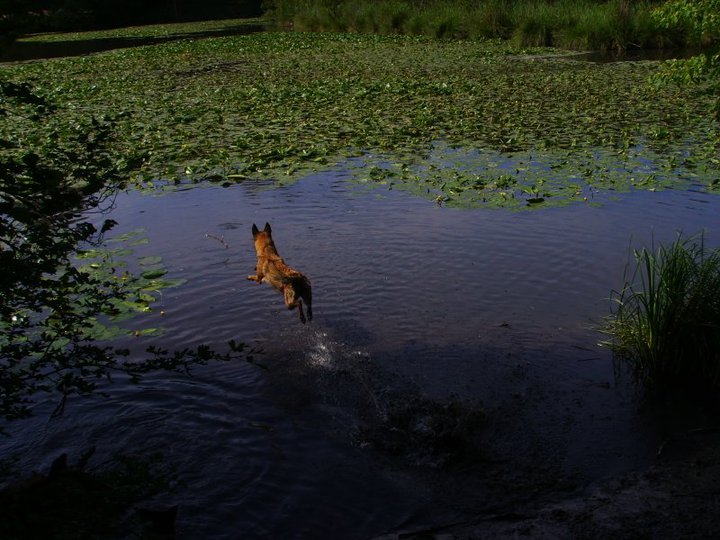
53	308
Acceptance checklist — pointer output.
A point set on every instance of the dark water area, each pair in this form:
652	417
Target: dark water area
637	55
413	303
627	55
19	51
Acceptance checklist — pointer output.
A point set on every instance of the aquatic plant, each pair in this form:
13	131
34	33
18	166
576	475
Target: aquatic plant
666	320
278	105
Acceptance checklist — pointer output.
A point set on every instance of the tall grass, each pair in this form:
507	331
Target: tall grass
574	24
666	322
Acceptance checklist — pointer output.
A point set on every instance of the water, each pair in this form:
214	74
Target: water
638	55
412	302
628	55
22	51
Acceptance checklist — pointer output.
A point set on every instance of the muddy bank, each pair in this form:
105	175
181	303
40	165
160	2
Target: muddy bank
677	497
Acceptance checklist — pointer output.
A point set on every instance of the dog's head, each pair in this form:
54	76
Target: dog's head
257	231
262	239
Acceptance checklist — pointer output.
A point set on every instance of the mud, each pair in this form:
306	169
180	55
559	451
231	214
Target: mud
677	497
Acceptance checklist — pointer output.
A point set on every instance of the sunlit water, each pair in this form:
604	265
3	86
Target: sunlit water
488	306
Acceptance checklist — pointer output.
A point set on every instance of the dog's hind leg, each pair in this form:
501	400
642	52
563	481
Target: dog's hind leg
304	291
292	302
302	315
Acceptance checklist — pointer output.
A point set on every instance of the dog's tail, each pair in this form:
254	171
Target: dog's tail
308	298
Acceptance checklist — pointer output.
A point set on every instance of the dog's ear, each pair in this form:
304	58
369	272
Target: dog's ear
267	228
255	230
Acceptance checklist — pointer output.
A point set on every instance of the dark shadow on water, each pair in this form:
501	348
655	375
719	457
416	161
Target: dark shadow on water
20	51
507	438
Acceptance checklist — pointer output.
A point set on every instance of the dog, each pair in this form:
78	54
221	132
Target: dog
271	268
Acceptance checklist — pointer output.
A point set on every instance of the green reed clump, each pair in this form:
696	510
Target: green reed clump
614	25
666	322
439	18
576	24
541	23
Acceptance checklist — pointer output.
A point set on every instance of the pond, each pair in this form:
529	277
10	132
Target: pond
413	303
36	48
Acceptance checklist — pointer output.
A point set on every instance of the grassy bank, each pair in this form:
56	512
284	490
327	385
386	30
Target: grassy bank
470	123
572	24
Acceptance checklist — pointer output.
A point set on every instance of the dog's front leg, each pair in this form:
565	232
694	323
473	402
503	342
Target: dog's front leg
257	277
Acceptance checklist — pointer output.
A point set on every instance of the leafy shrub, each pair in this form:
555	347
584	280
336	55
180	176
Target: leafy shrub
50	306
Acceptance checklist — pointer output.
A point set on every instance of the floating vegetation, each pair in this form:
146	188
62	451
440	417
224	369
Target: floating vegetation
280	105
466	178
142	289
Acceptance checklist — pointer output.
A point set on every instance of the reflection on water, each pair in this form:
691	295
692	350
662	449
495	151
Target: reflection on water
410	299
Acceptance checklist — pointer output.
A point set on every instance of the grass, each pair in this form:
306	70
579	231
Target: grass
573	24
666	322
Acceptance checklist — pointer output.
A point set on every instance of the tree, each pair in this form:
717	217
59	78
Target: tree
50	306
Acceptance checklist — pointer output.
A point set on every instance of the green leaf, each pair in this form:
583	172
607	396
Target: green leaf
155	273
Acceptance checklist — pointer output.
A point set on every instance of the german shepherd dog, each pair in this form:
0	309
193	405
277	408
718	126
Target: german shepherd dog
271	269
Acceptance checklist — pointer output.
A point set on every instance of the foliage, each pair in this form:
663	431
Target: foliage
581	24
52	306
666	322
699	18
485	129
701	21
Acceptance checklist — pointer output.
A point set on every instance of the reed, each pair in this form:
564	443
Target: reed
666	322
573	24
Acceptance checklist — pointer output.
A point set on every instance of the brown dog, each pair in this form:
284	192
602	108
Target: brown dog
271	269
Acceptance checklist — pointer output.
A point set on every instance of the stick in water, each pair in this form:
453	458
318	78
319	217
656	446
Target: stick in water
219	239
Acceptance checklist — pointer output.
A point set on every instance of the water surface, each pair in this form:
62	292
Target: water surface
411	300
25	50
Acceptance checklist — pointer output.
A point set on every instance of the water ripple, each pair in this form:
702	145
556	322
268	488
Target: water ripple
479	304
